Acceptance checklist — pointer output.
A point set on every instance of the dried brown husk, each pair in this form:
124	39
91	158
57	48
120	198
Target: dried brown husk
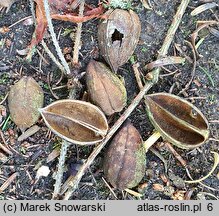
118	36
124	160
24	100
105	88
76	121
177	120
203	8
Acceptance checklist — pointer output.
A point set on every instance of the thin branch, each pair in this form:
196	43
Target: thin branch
193	69
50	54
149	83
176	154
78	36
170	34
137	75
53	35
60	171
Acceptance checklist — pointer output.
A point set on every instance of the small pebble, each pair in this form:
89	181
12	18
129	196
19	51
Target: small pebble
42	171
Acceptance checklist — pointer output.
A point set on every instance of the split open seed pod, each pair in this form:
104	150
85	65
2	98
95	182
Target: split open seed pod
177	120
118	36
76	121
124	160
105	89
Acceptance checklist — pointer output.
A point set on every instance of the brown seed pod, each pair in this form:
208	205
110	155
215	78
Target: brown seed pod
24	100
105	88
124	161
177	120
76	121
118	36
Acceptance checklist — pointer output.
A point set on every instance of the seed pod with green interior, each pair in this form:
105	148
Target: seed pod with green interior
105	88
124	160
176	120
118	36
24	100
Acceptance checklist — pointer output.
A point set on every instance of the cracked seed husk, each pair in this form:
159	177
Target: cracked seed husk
124	160
105	89
24	100
118	36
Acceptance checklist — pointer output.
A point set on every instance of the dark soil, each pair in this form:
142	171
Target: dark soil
31	153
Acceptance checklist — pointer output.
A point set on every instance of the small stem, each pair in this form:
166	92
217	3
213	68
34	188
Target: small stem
60	171
170	34
53	35
176	154
137	75
78	36
134	193
151	140
32	11
50	54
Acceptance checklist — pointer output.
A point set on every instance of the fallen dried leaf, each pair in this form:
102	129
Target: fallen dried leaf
142	187
203	8
76	121
164	178
29	132
8	182
194	35
179	195
165	61
53	155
